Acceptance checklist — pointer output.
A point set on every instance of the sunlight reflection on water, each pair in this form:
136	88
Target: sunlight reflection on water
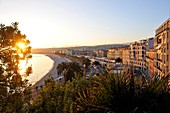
41	65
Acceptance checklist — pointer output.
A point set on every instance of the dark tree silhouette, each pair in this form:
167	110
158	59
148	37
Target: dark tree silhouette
86	62
118	60
96	63
69	69
61	67
14	87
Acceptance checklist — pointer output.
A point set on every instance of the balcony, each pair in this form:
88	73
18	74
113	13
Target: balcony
162	31
159	68
147	56
159	60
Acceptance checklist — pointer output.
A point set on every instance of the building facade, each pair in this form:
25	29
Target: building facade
114	53
162	49
125	55
138	53
101	53
150	56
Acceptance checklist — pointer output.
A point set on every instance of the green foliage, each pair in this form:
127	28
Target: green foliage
53	98
123	94
86	62
69	69
14	88
110	93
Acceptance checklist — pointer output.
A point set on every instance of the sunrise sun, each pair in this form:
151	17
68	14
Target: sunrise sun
21	45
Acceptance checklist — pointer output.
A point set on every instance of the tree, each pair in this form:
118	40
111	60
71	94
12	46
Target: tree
14	87
118	60
54	98
96	63
69	69
86	62
61	67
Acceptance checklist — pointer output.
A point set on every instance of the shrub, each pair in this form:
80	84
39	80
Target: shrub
102	94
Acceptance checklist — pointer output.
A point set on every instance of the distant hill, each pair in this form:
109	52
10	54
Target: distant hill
106	47
97	47
91	48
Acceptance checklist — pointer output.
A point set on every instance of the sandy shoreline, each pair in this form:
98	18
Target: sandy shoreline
53	72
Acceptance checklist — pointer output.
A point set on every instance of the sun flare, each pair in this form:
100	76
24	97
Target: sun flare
21	45
22	66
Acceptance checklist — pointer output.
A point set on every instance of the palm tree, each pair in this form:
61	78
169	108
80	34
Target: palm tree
70	70
86	62
61	67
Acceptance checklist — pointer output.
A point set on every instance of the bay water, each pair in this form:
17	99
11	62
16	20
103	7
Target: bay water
41	65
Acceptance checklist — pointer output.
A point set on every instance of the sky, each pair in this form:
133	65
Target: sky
68	23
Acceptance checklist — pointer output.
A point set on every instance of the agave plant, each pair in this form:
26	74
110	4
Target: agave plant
125	94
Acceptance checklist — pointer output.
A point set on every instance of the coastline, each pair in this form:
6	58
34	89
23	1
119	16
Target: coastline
52	72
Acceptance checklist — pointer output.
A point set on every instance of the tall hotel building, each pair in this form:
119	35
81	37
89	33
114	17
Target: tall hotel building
162	49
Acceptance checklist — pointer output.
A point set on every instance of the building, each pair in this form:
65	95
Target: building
162	49
150	54
113	54
69	52
120	53
126	54
88	53
137	54
101	53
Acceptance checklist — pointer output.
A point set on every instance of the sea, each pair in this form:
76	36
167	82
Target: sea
41	65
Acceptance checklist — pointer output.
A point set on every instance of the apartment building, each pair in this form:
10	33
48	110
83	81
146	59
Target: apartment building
101	53
150	55
162	49
125	52
114	53
120	53
137	54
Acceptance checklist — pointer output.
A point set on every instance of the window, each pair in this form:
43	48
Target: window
167	58
159	41
143	53
167	46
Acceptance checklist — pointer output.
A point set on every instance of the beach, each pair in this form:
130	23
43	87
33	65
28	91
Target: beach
53	72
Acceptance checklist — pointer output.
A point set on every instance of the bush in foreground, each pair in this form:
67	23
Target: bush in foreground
102	94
